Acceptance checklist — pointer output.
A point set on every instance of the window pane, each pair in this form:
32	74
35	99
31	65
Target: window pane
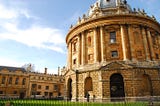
114	54
112	37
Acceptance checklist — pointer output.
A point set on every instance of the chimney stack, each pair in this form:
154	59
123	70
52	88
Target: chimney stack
45	70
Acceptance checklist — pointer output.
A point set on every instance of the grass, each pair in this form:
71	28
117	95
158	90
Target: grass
64	103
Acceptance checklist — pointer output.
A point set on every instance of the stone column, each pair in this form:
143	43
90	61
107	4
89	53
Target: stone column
124	46
95	45
102	44
70	55
145	43
131	43
83	48
150	45
79	49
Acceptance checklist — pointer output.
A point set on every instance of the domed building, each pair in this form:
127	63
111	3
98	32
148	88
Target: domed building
113	52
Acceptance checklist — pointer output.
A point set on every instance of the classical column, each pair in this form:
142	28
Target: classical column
102	44
124	46
83	44
145	43
150	45
70	55
95	45
131	43
79	49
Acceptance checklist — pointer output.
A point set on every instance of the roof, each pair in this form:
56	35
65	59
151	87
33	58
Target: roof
12	68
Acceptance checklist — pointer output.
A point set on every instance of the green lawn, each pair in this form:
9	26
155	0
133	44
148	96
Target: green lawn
64	103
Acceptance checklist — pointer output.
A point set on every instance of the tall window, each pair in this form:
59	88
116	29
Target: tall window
47	87
10	80
157	56
24	81
55	87
113	37
3	80
16	82
114	53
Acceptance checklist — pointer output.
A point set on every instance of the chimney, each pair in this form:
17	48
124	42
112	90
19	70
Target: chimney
58	70
45	70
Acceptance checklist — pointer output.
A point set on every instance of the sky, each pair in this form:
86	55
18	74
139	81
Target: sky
34	31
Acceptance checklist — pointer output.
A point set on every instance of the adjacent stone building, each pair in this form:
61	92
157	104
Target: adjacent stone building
16	82
113	51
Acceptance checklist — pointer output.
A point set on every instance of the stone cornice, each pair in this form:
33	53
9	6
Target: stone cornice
113	20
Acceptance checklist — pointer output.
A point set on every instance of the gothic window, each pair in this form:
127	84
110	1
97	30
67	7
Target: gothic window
16	82
24	81
114	54
3	80
10	80
113	37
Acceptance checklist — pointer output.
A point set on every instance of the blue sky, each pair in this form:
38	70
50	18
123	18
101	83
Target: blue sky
33	31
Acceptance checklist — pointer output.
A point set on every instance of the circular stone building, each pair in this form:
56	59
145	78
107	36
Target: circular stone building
113	52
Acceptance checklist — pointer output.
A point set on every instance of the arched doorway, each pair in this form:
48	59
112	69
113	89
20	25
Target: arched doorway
69	94
146	85
117	87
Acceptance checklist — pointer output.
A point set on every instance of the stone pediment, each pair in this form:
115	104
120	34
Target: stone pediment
69	72
115	65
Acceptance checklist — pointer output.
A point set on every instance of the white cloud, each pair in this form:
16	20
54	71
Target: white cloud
10	62
34	36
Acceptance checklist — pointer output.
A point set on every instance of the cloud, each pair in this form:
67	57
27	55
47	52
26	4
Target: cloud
35	35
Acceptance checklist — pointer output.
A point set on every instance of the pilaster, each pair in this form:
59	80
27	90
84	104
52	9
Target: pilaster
102	44
131	43
95	45
145	43
150	45
79	49
124	46
83	52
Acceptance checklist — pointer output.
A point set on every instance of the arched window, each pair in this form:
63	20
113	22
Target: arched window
88	84
16	82
10	80
24	81
3	80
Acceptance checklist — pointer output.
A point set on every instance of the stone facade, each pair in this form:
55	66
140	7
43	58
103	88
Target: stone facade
113	51
16	82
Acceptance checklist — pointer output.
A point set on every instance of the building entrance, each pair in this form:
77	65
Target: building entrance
117	87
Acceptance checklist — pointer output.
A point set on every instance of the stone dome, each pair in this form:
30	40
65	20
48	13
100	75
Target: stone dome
107	6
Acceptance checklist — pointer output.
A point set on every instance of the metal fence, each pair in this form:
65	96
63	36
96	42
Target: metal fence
129	101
